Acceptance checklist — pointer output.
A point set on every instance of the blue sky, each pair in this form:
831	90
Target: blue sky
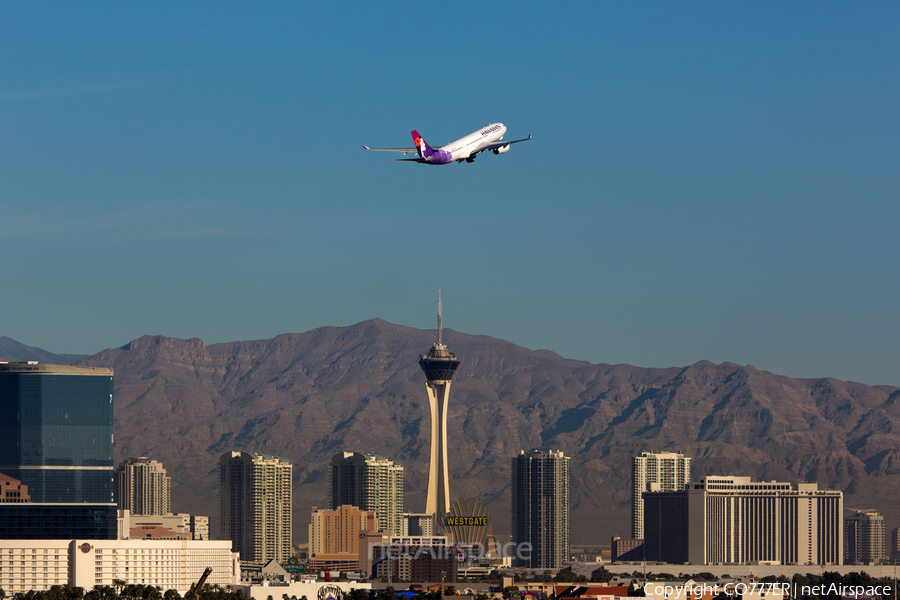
707	180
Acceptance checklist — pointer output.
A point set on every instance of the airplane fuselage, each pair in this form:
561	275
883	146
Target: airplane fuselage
468	146
464	149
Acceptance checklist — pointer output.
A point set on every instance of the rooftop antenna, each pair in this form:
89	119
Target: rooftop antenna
439	319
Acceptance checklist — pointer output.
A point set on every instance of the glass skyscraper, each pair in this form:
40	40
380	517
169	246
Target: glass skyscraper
56	434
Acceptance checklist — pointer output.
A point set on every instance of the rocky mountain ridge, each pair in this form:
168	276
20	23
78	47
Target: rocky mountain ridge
13	351
308	396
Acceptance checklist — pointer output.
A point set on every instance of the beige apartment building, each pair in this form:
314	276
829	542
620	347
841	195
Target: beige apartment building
864	538
143	487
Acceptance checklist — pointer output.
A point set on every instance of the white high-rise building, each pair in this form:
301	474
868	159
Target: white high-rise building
655	472
143	487
255	505
540	509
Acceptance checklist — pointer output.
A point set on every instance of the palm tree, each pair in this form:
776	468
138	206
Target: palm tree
388	593
74	592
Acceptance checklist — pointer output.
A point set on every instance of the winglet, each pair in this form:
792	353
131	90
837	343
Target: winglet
529	137
364	146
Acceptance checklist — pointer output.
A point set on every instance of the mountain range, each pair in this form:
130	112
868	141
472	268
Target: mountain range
13	351
308	396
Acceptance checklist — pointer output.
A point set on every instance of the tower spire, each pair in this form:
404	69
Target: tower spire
439	365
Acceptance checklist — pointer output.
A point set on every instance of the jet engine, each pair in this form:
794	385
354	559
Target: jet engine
502	149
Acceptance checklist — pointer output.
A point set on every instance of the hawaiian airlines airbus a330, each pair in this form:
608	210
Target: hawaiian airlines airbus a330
463	149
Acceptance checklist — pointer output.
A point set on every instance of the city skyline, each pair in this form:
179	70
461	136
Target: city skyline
743	521
717	179
185	199
382	405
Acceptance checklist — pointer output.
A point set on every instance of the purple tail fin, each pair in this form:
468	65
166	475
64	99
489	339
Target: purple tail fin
423	147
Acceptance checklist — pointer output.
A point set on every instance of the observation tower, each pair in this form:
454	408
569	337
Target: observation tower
439	365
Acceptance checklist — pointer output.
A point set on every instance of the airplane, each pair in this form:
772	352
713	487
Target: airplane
463	149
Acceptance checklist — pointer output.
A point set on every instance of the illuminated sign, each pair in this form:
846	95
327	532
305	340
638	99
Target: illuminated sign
476	521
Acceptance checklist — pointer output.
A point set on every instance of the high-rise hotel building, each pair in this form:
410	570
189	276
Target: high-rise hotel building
540	509
334	537
56	434
733	520
370	482
655	472
143	487
56	442
255	505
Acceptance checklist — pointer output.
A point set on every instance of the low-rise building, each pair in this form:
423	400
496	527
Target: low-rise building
312	589
414	558
626	550
593	592
170	564
12	491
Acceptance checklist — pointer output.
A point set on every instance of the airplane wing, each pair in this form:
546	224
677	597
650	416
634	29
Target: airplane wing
500	144
403	150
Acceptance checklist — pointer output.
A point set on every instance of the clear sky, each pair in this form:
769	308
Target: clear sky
706	181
